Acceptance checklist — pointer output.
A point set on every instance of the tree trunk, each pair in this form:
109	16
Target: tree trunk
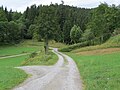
101	39
46	46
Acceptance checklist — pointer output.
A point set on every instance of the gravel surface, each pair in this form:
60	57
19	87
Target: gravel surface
64	75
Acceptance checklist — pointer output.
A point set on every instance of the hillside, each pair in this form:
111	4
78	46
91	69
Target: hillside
113	42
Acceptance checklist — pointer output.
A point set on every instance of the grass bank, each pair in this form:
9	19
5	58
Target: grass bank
41	59
113	42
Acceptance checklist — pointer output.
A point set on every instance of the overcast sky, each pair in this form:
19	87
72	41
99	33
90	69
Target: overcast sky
20	5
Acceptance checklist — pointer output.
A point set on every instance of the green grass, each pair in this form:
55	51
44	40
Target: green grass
31	43
99	72
41	59
57	44
12	50
27	46
10	76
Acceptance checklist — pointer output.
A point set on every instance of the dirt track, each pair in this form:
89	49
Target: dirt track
63	75
14	55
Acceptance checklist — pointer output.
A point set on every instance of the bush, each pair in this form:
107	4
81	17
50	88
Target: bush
32	55
75	46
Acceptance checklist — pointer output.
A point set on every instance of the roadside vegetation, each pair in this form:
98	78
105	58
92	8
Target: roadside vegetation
41	59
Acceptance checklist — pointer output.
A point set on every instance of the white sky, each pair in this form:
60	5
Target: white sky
20	5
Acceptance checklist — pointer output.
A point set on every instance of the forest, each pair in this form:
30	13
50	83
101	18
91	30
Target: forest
62	23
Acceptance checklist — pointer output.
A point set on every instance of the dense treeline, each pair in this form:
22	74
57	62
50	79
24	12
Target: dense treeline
104	22
63	23
65	17
10	26
54	22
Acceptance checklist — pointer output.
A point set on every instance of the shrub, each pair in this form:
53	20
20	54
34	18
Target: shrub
41	59
32	55
75	46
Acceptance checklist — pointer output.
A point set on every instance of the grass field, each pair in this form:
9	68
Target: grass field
24	47
99	65
99	72
10	76
12	50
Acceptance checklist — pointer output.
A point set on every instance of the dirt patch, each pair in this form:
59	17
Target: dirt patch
100	51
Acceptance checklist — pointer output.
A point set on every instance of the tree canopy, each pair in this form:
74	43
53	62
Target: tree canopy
57	22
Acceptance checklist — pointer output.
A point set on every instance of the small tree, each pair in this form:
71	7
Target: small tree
47	28
116	31
2	15
31	30
75	34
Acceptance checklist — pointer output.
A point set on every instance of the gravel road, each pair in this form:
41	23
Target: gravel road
64	75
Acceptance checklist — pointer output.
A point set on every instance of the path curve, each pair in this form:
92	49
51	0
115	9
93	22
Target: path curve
64	75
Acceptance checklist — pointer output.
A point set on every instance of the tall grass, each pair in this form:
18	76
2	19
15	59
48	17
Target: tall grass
41	59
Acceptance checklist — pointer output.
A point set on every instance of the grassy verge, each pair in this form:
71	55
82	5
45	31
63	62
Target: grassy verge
99	72
41	59
10	76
